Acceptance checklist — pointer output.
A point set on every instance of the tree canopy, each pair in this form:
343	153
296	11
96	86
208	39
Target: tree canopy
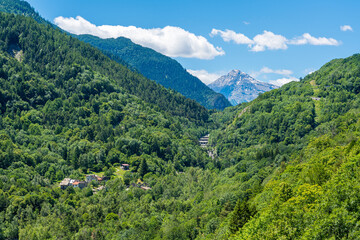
284	166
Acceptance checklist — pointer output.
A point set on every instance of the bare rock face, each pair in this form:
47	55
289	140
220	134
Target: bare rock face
240	87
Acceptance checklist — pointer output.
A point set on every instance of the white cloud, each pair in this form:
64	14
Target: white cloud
281	81
266	73
170	41
229	35
246	23
306	38
280	71
270	41
266	70
345	28
204	76
309	71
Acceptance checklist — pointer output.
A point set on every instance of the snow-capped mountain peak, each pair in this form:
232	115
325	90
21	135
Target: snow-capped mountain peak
240	87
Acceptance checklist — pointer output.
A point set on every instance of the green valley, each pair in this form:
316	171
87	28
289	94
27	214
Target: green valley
283	166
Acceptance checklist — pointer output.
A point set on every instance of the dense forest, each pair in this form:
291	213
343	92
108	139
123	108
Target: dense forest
164	70
303	139
64	116
285	166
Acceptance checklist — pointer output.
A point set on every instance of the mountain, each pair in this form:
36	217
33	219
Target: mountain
22	8
135	57
67	110
286	165
295	155
240	87
131	82
160	68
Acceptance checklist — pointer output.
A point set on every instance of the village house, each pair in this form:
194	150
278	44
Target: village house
103	179
96	190
125	166
79	184
65	183
203	141
91	177
316	98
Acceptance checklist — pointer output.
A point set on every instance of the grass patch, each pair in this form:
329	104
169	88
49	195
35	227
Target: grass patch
315	87
119	172
317	103
100	174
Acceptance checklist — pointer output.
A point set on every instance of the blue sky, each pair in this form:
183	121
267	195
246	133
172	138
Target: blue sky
274	41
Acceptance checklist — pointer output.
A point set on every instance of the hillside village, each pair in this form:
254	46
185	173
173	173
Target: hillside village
68	182
75	183
92	146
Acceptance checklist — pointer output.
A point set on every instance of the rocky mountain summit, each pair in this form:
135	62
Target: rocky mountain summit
240	87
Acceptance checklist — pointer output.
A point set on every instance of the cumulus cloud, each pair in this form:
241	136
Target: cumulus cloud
229	35
280	71
270	41
170	41
306	38
281	81
284	75
204	75
266	70
345	28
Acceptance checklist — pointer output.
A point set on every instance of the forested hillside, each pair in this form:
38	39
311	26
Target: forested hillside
66	110
22	8
160	68
285	166
47	57
305	138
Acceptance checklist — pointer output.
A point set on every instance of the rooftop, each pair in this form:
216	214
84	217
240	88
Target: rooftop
66	181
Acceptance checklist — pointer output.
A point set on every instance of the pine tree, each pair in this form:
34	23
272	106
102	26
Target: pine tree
239	216
75	157
143	168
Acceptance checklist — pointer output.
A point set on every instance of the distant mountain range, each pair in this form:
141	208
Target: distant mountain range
158	67
240	87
